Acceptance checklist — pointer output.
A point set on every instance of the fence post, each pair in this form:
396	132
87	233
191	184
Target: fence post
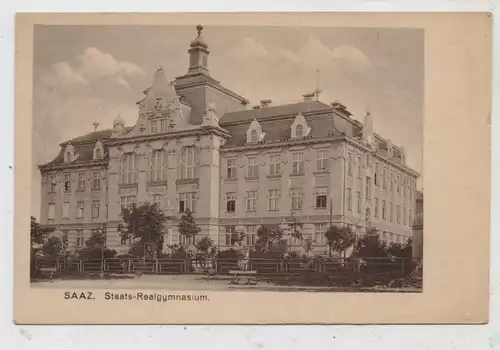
402	267
81	265
156	266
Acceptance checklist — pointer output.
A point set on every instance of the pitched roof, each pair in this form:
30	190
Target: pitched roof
274	111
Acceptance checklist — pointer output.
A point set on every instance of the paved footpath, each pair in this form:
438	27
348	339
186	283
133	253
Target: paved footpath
191	283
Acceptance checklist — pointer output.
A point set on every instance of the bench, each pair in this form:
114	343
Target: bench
48	272
236	274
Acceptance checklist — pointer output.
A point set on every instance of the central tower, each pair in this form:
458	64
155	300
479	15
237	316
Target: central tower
198	54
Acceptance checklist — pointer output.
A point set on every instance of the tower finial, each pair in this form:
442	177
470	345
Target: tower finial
368	109
199	28
95	124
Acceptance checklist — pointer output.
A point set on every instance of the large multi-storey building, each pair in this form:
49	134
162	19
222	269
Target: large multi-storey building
197	145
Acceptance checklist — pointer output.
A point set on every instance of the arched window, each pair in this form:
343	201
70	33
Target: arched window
187	163
368	215
299	131
158	166
98	153
68	157
128	170
253	136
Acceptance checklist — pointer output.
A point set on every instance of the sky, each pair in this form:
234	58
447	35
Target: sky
84	74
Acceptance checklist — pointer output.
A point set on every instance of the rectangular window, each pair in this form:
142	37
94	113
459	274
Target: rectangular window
376	175
126	241
322	161
128	171
80	239
398	184
253	167
231	169
398	214
81	182
384	179
349	199
273	199
95	208
321	197
187	201
187	163
391	183
230	202
349	163
390	211
98	154
96	180
410	217
154	126
158	165
274	165
383	210
296	198
52	181
127	201
230	230
51	215
367	187
67	183
376	207
404	216
251	235
251	200
80	205
187	241
297	164
358	165
157	200
358	199
319	233
66	208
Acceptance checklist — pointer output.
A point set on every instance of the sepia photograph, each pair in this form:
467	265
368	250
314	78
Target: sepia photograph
251	160
205	157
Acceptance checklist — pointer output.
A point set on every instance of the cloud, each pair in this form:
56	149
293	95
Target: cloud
91	66
250	48
62	75
353	56
95	65
315	54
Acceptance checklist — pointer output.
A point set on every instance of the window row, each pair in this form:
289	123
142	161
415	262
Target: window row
81	182
185	201
80	210
383	177
382	209
273	199
274	169
158	166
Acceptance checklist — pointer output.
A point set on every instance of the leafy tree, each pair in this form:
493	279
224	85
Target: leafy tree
237	237
308	243
370	245
95	247
270	238
339	239
38	234
205	250
403	251
52	248
187	225
146	224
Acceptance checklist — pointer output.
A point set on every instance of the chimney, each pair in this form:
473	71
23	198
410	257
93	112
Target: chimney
265	103
336	105
309	97
256	107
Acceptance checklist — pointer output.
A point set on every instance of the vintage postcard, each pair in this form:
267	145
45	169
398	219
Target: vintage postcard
256	168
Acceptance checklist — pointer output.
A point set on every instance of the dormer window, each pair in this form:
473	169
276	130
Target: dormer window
255	133
68	157
299	131
98	151
253	137
299	127
69	154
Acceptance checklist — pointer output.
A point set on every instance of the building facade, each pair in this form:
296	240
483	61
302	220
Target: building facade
198	145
